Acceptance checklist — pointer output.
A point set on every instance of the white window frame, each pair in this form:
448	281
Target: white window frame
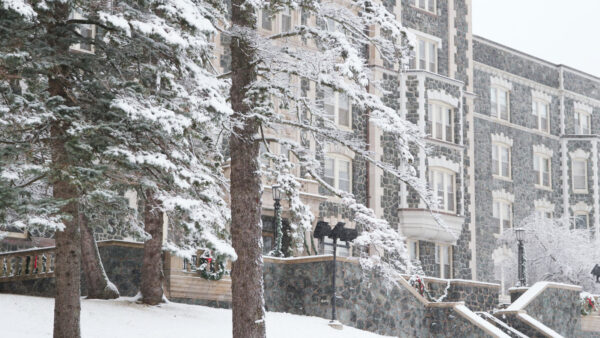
538	158
497	89
443	255
581	213
498	203
497	171
286	12
337	160
434	108
77	47
579	117
427	39
447	175
536	103
262	16
428	5
336	96
577	190
413	254
544	208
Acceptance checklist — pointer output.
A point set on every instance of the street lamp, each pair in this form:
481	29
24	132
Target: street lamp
520	235
344	234
276	192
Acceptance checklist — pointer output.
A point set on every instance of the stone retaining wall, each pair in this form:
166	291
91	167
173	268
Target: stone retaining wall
476	295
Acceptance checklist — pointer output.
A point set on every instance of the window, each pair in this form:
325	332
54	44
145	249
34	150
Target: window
582	123
502	214
286	20
428	5
413	250
441	182
501	160
443	257
337	173
581	220
545	213
442	122
88	33
500	103
425	55
266	20
542	169
542	114
343	249
579	175
337	107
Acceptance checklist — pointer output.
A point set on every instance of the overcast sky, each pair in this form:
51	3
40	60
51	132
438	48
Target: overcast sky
559	31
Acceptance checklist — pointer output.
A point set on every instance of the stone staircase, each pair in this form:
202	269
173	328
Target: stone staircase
504	327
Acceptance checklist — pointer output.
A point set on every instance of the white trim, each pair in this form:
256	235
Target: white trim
515	126
581	207
503	195
426	36
337	149
444	163
438	95
543	205
579	154
583	107
499	82
542	150
501	138
541	96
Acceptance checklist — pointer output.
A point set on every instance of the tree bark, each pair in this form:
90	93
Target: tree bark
248	313
67	270
152	275
97	284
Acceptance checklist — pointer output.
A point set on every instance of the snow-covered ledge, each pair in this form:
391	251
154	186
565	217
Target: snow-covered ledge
420	224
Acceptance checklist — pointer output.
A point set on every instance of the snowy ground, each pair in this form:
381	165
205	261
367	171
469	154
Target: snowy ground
24	316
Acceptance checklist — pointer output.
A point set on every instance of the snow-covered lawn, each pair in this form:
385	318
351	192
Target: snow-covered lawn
24	316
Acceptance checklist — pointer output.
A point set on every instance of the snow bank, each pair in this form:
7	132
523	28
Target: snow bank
24	316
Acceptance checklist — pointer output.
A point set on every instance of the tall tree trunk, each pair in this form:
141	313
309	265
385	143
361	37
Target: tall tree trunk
96	281
245	189
152	272
67	306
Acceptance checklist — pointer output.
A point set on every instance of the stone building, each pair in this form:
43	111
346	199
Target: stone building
508	134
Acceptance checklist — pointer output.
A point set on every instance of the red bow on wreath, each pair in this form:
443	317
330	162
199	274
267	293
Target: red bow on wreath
590	302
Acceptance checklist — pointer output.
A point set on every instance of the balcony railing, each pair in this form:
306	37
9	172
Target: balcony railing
27	264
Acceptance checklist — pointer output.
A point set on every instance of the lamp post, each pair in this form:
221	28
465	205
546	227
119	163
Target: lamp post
520	235
344	234
276	192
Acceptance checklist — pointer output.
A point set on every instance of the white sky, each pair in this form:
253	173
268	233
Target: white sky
560	31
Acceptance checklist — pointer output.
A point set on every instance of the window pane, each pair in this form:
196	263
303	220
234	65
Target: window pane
286	20
448	122
546	172
579	175
450	191
505	162
503	104
581	221
577	124
494	101
422	4
329	171
266	20
430	6
344	175
439	187
344	110
432	57
422	61
495	160
329	103
439	127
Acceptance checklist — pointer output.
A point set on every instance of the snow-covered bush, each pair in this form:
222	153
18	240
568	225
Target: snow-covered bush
554	250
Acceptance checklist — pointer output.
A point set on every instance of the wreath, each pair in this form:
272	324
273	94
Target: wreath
210	268
588	304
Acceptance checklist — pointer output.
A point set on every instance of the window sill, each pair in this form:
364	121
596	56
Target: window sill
543	187
502	178
580	192
500	119
344	128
